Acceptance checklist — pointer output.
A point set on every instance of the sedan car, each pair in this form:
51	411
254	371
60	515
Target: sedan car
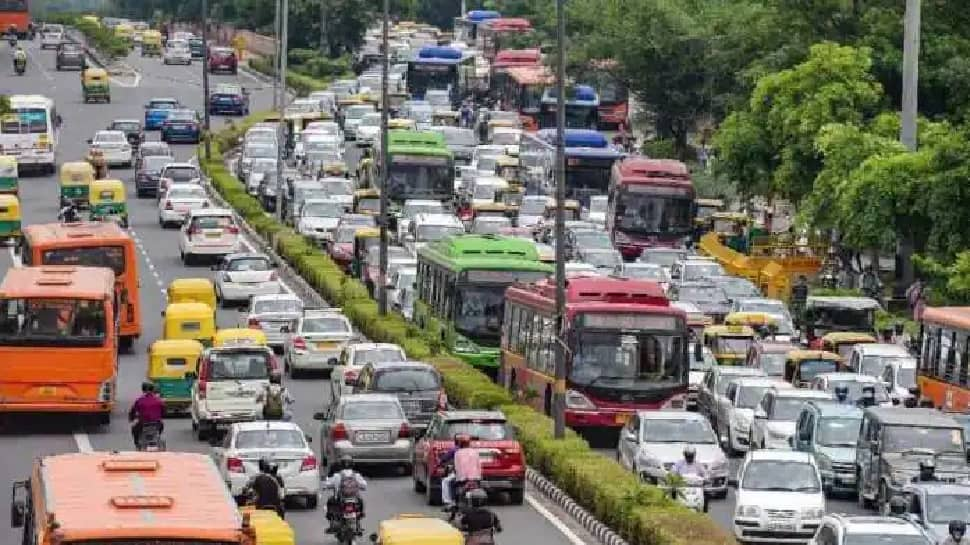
223	59
229	99
157	110
319	217
854	383
284	443
153	148
114	146
182	126
197	47
275	315
368	130
710	298
606	261
70	55
370	428
148	174
177	52
179	201
647	271
775	416
353	357
178	173
244	275
316	341
417	384
131	128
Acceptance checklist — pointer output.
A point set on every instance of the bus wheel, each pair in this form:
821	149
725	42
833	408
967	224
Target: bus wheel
126	343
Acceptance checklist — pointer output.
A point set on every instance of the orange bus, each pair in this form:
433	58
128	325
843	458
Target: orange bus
92	244
522	92
944	361
16	14
127	498
58	343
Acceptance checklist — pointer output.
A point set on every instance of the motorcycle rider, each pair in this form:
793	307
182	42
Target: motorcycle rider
842	394
479	523
68	213
267	487
958	534
927	472
468	467
148	408
20	58
689	465
345	471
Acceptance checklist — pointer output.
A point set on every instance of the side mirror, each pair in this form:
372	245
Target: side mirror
698	352
308	438
90	140
332	362
320	415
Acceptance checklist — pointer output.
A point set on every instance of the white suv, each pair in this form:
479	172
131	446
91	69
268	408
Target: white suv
227	386
210	232
779	498
737	416
852	530
775	416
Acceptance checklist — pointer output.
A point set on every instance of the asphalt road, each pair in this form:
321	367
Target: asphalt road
24	439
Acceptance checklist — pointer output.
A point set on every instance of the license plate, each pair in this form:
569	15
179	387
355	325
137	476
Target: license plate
781	526
622	418
486	454
326	345
48	391
350	515
244	393
371	436
213	235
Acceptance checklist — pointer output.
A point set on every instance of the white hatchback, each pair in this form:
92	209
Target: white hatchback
242	276
179	201
177	52
316	341
779	498
114	146
210	232
283	444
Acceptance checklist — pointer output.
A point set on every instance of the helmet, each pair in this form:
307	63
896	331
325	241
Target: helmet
897	506
462	440
265	465
147	387
346	462
927	464
477	497
958	529
690	453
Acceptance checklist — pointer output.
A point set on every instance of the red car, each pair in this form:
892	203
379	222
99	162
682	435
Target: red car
223	59
503	462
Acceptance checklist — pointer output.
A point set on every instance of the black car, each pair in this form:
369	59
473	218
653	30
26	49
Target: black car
148	174
70	55
131	128
196	48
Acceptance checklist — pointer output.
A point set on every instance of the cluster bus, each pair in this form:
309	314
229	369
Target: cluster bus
420	166
466	28
626	348
589	162
614	96
29	132
440	67
16	14
651	204
91	244
507	59
944	360
461	283
59	341
494	34
582	107
521	89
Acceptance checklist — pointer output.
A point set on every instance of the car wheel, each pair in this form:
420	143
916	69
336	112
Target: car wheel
311	501
516	496
202	431
417	483
432	492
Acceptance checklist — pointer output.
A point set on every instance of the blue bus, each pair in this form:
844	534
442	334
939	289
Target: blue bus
589	161
466	28
439	67
582	107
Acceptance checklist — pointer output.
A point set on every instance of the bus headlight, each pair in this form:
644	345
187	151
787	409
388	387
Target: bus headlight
576	400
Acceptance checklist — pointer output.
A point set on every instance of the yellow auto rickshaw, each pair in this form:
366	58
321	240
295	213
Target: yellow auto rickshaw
10	218
416	529
95	85
367	201
172	365
729	343
125	32
76	178
571	210
335	168
760	322
801	366
401	123
108	201
490	209
192	290
151	43
239	336
842	342
447	118
192	321
364	239
270	529
706	207
508	168
9	175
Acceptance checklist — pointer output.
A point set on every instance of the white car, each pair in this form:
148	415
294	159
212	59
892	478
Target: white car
779	498
319	217
652	442
352	117
209	232
235	375
179	201
178	173
776	414
284	444
839	529
900	376
427	228
51	36
242	276
598	205
871	358
114	146
413	207
354	357
736	418
177	52
316	341
532	210
401	292
275	315
489	225
854	383
369	129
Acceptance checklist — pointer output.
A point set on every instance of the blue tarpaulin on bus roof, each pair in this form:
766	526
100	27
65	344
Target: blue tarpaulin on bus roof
439	52
479	15
577	138
581	95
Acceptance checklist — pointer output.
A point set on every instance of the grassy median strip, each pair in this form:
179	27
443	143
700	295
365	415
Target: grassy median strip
642	514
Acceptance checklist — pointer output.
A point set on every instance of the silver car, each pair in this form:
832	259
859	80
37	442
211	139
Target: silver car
711	396
275	315
370	428
316	341
416	384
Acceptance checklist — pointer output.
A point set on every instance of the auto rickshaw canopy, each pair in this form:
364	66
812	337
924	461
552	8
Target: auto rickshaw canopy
172	358
801	366
192	290
77	173
189	321
239	336
408	529
107	192
841	342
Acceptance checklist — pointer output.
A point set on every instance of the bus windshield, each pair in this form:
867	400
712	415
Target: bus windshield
52	322
24	120
112	257
587	177
420	177
422	77
639	211
632	360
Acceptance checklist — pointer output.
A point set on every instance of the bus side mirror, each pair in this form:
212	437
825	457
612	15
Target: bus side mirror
18	512
698	352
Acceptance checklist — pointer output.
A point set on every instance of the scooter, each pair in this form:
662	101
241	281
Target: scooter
150	438
20	66
690	493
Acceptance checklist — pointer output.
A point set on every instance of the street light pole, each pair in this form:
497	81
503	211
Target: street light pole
205	77
559	392
284	40
276	56
385	60
911	31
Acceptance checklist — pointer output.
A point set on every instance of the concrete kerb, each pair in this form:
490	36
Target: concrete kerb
113	68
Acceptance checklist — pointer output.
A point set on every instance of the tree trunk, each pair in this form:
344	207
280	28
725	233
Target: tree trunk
905	273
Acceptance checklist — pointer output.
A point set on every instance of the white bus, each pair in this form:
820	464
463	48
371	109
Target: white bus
29	132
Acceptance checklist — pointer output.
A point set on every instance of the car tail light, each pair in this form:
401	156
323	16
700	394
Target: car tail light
195	231
299	343
203	386
232	230
404	432
254	323
168	205
350	377
309	463
339	433
512	451
235	465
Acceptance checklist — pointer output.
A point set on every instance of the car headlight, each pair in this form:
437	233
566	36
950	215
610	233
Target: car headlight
644	460
824	463
813	513
748	511
576	400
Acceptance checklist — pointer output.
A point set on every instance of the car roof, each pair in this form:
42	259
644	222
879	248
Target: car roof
834	410
870	524
200	212
266	425
670	415
472	415
436	219
740	372
241	255
322	312
762	381
942	488
182	164
378	366
882	349
902	416
781	455
276	297
374	346
126	120
848	377
802	393
109	131
362	398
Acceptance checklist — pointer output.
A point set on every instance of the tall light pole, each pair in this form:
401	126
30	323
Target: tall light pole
205	77
911	32
559	392
284	40
276	56
385	60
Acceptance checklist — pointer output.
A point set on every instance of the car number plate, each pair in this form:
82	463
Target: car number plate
48	390
486	454
213	235
781	526
371	436
622	418
326	345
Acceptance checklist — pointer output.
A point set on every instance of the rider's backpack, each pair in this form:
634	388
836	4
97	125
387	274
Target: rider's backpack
273	406
349	487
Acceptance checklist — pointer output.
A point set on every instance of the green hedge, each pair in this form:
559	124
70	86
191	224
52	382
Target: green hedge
640	513
301	83
97	36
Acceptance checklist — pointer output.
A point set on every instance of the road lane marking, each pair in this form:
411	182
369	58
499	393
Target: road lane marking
83	442
131	85
148	260
39	65
554	520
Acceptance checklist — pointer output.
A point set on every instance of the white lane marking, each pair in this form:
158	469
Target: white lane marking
148	260
39	65
15	257
130	85
554	520
83	442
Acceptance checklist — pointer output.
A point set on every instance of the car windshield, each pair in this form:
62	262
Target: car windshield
181	174
706	294
768	307
487	164
239	365
490	226
371	120
838	432
787	408
637	360
610	259
247	264
645	273
377	355
323	210
733	345
406	380
270	439
906	377
277	305
372	410
338	188
737	287
346	234
156	163
127	126
885	539
478	430
52	322
596	240
773	364
942	508
421	114
664	258
484	192
855	389
432	233
669	430
723	382
875	365
701	271
182	192
749	396
163	105
598	205
325	324
915	437
358	112
266	152
780	476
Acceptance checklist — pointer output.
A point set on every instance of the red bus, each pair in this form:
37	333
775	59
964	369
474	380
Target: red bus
510	58
15	13
651	204
523	90
614	107
492	32
627	348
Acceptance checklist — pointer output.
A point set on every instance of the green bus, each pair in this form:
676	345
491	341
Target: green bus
421	167
461	291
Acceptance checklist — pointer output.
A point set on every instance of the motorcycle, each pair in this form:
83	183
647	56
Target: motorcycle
347	519
462	505
690	492
150	438
20	66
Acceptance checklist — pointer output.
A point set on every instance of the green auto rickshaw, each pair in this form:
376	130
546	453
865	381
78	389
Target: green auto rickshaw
76	178
10	217
8	174
108	202
172	366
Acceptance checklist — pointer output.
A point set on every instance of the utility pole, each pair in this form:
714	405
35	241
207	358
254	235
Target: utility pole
559	392
276	56
385	60
324	50
907	134
205	77
284	40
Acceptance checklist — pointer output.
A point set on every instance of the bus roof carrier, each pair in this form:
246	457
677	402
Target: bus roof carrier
478	15
439	52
